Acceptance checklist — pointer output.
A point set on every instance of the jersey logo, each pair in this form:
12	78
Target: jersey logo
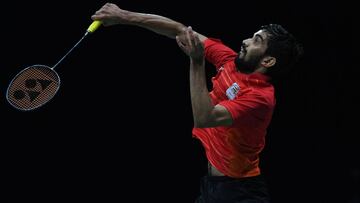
232	91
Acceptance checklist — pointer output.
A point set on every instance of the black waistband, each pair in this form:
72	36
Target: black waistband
227	178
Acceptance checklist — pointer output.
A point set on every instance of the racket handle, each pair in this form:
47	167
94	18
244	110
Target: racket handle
94	26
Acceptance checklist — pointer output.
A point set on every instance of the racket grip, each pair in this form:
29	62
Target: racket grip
94	26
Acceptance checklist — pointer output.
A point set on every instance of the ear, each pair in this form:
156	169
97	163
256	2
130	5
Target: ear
268	61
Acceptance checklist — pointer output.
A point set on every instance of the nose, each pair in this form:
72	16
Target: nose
243	46
245	43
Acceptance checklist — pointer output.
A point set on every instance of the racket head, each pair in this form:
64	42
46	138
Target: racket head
33	87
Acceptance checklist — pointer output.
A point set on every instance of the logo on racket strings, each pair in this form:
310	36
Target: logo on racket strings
30	85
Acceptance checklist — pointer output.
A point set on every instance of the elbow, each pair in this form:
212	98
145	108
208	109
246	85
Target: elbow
204	120
198	125
202	123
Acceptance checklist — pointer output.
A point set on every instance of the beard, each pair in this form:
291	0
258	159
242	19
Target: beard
246	66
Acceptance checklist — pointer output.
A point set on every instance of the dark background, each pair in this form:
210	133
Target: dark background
119	129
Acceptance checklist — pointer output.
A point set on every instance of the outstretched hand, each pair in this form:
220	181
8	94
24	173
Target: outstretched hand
111	14
191	44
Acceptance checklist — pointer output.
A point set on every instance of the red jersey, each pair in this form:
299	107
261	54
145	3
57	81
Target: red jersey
234	150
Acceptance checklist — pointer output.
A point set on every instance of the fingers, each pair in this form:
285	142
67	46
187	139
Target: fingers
190	43
106	8
191	38
188	37
181	45
98	14
194	38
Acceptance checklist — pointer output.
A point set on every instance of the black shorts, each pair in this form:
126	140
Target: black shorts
223	189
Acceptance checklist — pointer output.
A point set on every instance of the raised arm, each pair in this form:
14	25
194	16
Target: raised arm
111	14
205	114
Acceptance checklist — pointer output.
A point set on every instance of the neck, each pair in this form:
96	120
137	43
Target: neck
260	70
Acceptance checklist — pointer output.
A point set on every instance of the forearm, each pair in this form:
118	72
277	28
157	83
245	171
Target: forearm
159	24
202	106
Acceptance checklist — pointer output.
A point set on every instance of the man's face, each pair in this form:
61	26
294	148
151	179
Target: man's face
251	53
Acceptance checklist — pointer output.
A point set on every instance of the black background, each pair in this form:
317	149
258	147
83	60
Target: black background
120	126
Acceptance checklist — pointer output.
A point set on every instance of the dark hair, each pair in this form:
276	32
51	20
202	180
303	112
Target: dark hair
284	47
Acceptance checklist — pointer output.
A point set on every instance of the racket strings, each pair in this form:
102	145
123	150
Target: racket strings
33	87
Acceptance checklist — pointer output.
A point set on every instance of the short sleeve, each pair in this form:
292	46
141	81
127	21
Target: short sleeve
217	53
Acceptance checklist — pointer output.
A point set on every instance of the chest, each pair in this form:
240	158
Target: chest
228	84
